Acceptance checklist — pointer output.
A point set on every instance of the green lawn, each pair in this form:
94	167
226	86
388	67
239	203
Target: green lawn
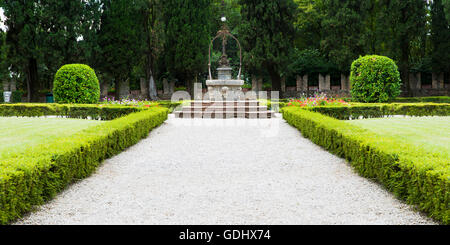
430	133
21	134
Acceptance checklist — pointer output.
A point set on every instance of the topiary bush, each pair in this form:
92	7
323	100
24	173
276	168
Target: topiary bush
374	79
76	84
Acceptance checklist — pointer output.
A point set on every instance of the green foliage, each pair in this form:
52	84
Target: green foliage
365	111
3	54
38	175
374	79
267	35
341	25
412	174
247	86
16	97
309	61
187	37
446	4
440	30
122	41
76	84
43	35
438	99
170	105
70	111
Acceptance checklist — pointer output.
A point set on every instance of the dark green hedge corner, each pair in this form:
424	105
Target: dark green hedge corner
37	176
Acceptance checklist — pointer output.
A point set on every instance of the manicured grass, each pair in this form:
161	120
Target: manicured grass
21	134
430	133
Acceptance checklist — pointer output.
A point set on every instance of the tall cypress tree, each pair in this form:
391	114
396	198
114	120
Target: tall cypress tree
3	60
342	26
440	38
121	39
187	36
446	4
42	36
267	35
403	23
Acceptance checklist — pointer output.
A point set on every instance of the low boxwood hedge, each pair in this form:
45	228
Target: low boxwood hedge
418	177
36	176
95	112
169	104
435	99
381	110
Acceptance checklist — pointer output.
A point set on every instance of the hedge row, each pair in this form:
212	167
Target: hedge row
418	177
436	99
169	104
381	110
95	112
38	175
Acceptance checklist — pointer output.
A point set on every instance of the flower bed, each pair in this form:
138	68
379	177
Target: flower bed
141	103
317	100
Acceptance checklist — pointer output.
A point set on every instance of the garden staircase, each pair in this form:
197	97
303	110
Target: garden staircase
250	109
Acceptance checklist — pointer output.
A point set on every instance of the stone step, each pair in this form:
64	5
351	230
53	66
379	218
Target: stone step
225	108
227	114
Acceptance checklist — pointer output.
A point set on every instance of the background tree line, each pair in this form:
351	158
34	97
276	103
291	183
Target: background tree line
129	40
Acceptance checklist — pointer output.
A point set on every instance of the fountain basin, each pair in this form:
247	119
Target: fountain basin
224	89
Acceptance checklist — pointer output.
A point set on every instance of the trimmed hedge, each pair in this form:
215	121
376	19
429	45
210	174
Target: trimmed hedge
36	176
374	79
95	112
381	110
76	83
418	177
437	99
169	104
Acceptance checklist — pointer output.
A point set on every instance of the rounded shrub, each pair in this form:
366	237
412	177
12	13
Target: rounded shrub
76	84
374	79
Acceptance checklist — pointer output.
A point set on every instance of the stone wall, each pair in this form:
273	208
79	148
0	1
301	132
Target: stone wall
438	86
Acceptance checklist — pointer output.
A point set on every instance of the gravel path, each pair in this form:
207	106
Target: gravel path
225	172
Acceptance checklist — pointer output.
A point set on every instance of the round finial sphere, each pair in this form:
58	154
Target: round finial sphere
223	19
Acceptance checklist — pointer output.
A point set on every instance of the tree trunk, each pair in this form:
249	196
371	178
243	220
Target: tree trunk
32	83
190	87
276	79
104	88
405	49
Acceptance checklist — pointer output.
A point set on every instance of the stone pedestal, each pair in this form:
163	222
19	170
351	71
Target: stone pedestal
225	89
104	88
327	85
299	83
144	88
305	83
166	87
437	80
171	87
224	73
322	83
345	82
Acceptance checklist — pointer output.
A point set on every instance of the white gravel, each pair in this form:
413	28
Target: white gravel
235	171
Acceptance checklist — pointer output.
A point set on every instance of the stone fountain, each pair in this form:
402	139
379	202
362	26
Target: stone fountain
225	88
